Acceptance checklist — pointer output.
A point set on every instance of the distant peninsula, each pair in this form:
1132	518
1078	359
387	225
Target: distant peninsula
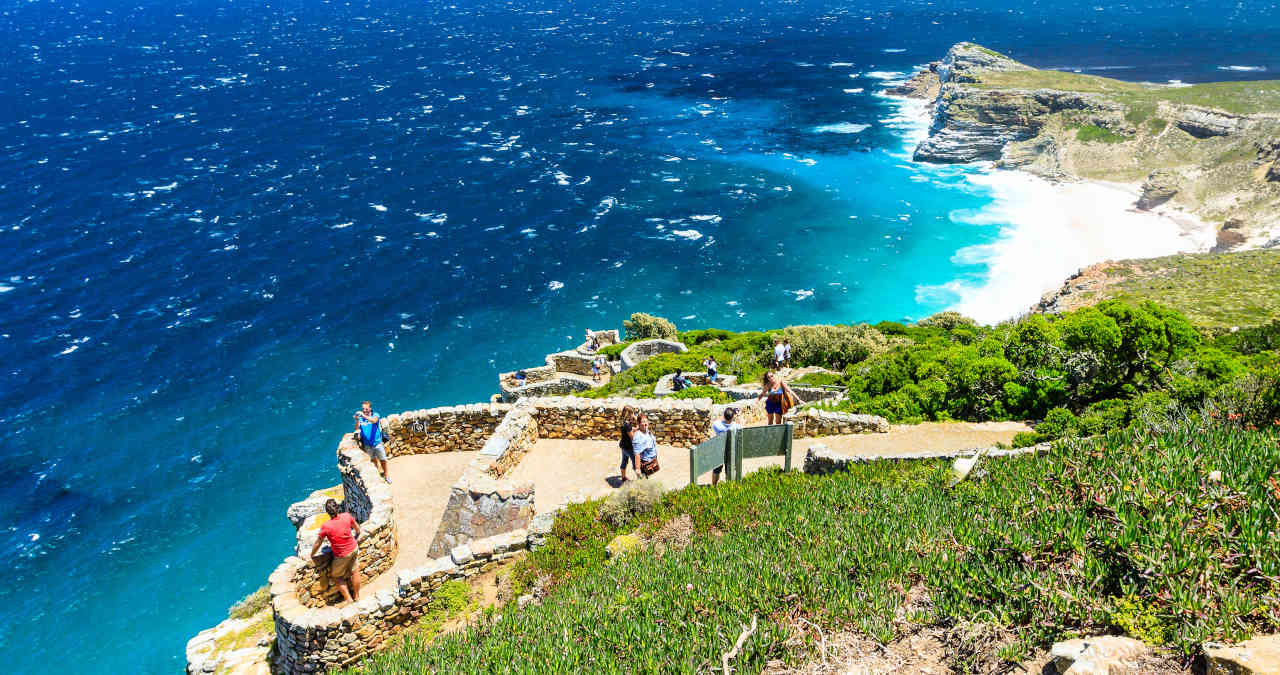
1211	150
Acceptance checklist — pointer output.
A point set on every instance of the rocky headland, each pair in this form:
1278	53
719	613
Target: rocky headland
1211	150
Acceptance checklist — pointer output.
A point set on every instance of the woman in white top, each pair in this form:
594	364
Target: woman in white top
646	446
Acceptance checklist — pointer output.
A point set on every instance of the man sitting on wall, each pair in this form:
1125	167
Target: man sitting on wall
342	531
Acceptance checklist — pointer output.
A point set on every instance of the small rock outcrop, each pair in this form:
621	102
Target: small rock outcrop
1101	655
923	85
1207	122
1259	656
1161	186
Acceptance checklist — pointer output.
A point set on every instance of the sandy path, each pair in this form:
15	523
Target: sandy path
420	489
561	468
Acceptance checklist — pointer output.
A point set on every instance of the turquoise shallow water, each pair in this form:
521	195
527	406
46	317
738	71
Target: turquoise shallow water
229	223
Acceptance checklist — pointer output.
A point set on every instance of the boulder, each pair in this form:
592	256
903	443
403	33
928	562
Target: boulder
1099	655
1259	656
1207	122
1161	185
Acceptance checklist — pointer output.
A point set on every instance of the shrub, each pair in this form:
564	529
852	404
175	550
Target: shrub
251	604
1092	133
1059	423
820	379
947	320
643	326
703	391
614	352
1104	416
636	498
834	347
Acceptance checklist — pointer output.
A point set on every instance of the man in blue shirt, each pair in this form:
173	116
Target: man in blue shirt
369	433
719	427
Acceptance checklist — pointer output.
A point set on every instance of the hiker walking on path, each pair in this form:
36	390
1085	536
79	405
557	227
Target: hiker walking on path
646	446
777	396
719	427
369	433
786	353
713	375
626	430
779	354
597	365
342	531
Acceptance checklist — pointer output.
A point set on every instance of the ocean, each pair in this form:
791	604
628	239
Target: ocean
230	222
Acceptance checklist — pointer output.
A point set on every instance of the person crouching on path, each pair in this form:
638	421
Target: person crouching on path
646	447
369	433
778	397
719	427
625	433
342	531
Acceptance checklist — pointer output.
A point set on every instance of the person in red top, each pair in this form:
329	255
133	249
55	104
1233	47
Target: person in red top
342	531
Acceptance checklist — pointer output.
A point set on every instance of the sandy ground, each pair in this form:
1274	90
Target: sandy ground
420	489
565	468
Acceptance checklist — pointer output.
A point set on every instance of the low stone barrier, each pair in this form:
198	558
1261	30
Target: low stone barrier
682	423
311	640
368	498
447	429
812	422
481	503
664	388
603	337
639	352
572	362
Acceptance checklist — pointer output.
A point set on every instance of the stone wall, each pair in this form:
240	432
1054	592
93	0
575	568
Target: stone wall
604	337
809	422
447	429
682	423
481	504
369	500
572	362
312	640
663	386
644	350
559	386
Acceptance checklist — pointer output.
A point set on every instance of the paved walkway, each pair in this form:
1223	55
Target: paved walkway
561	468
419	489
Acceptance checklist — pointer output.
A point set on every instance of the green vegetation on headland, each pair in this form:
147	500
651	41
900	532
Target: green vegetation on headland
1084	372
1241	98
1215	291
1125	533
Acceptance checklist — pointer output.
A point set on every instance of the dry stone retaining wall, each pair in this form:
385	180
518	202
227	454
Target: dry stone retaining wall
682	423
312	640
447	429
643	350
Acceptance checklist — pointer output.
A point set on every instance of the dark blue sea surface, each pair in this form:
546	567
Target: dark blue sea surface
225	224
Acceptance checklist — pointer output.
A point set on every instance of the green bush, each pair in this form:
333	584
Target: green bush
614	352
835	347
947	321
643	326
635	498
820	379
1092	133
703	391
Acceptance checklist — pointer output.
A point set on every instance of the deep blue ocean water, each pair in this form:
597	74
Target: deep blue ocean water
225	224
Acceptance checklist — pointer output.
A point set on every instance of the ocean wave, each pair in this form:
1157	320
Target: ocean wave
893	50
555	285
840	64
855	90
1244	69
842	128
885	75
1045	234
691	235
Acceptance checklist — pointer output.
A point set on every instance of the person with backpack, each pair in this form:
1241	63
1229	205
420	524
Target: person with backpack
372	437
719	427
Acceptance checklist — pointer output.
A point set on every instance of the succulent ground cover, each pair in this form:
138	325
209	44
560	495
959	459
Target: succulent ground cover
1166	534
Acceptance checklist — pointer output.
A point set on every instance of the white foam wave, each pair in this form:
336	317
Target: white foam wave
707	218
378	207
1244	69
839	64
842	128
802	294
691	235
1046	233
893	50
885	75
855	90
555	285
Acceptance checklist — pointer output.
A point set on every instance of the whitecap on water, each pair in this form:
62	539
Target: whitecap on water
841	128
691	235
855	90
893	50
555	285
802	293
706	218
1244	69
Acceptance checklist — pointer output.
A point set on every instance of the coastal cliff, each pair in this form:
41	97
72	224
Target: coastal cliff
1212	149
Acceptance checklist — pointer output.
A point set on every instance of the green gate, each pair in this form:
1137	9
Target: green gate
731	447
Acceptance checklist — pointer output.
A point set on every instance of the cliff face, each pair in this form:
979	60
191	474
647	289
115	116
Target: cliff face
1210	149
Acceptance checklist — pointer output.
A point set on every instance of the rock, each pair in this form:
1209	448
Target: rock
923	85
820	460
524	601
312	505
1259	656
540	529
1099	655
1040	156
624	544
1207	122
1161	185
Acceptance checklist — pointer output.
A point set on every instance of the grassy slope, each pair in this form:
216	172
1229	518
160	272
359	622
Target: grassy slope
1122	534
1213	290
1242	98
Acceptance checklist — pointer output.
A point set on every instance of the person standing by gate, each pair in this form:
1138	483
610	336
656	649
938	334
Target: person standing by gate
719	427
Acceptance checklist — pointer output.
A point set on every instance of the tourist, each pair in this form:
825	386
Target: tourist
680	382
713	375
777	396
779	354
719	427
597	365
786	353
369	434
624	442
592	343
342	531
645	446
520	377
